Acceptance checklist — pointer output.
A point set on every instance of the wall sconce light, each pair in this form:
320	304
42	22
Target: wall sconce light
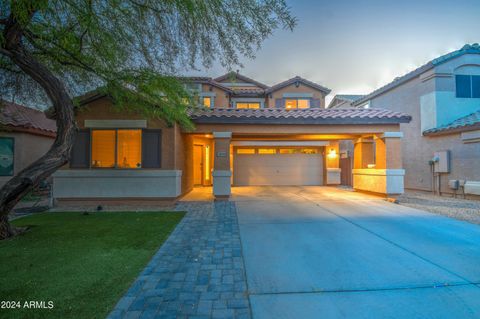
332	153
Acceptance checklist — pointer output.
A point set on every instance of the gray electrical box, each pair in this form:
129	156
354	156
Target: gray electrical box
442	161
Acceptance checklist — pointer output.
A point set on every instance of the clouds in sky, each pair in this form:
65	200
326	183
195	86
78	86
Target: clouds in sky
357	46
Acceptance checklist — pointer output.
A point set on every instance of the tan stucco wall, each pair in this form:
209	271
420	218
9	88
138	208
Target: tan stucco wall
221	99
417	150
27	149
293	89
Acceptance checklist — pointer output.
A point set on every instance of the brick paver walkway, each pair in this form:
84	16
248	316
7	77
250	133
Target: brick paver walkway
198	272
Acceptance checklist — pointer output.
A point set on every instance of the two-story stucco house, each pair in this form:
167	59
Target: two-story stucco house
246	133
442	142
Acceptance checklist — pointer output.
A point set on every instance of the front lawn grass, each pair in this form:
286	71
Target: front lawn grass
83	263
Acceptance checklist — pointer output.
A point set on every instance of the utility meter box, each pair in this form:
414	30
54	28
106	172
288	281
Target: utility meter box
442	164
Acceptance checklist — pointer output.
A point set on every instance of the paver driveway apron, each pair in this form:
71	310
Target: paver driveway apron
319	252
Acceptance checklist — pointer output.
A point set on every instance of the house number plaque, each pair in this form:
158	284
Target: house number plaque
221	154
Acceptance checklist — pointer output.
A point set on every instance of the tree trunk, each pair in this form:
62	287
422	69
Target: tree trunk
6	230
58	155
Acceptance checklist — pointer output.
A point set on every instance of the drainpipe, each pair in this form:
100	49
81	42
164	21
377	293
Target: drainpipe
432	163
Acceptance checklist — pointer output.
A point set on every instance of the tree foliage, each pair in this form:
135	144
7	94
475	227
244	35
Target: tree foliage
140	45
132	50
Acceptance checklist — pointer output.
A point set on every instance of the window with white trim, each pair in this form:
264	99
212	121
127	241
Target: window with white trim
297	103
467	86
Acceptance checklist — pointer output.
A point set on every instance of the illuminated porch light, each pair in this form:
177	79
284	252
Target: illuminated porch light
332	153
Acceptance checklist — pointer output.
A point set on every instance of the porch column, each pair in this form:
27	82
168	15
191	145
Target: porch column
387	176
363	153
333	163
388	147
221	165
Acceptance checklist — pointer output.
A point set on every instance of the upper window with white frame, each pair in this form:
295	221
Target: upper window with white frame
206	101
297	103
248	105
467	86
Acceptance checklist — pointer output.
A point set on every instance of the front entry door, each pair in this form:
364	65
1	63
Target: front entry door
197	164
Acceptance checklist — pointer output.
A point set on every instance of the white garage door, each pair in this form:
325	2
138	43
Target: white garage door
277	166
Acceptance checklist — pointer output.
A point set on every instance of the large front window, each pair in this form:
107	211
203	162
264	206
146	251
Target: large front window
246	105
297	104
120	148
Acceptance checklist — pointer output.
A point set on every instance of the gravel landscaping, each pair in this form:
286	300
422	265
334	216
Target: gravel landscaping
459	208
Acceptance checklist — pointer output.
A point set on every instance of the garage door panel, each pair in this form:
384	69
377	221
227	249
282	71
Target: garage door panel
278	169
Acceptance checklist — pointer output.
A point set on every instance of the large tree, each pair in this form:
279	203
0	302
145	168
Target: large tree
131	49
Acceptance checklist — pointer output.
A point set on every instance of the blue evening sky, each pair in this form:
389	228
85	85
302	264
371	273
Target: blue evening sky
356	46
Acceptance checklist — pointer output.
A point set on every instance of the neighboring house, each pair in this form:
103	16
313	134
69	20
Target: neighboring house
246	133
25	135
443	98
343	101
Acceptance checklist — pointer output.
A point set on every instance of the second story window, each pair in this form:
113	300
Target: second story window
467	86
207	101
254	105
297	104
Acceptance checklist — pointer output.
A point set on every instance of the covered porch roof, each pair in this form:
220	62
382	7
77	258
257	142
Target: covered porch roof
297	116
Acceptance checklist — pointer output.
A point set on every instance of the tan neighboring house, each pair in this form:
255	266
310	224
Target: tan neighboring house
246	133
343	101
441	144
25	135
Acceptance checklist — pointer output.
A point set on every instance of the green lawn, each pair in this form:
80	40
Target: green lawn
83	263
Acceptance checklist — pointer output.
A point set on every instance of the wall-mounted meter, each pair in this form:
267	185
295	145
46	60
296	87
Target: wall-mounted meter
441	162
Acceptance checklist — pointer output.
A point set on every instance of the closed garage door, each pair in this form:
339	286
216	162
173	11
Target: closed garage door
277	166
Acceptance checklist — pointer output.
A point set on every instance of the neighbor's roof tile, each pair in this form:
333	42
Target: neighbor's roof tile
466	123
19	116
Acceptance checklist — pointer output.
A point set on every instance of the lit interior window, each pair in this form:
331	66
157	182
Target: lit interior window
290	104
129	148
288	151
303	103
103	148
207	162
267	151
207	101
309	151
126	143
297	103
248	105
245	151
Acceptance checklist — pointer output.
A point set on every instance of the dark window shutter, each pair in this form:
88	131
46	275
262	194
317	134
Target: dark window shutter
279	103
151	148
80	155
315	103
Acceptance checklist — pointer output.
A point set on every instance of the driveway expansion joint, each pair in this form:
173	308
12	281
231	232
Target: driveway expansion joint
413	287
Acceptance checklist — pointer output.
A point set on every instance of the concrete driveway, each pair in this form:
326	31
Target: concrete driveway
320	252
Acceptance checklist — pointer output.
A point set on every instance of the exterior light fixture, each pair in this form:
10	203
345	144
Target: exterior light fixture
332	153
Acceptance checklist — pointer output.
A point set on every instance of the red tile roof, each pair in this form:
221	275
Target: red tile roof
303	116
298	79
19	117
237	76
248	92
